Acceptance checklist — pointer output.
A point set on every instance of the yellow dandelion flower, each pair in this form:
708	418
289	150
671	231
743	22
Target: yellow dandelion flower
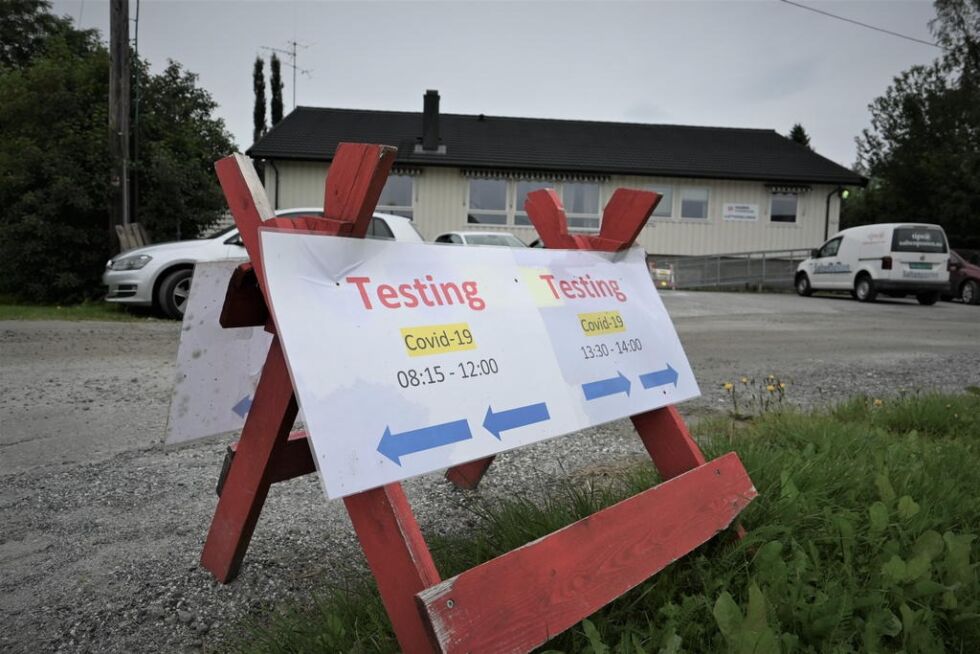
744	380
878	402
782	385
728	386
770	388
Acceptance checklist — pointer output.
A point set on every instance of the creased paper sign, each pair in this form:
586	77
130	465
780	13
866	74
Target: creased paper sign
408	358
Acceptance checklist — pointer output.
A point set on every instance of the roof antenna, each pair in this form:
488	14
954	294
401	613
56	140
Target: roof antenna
291	53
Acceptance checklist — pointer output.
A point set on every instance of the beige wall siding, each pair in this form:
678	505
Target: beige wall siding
441	196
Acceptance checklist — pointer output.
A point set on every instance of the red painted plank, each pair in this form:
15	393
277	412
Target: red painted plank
357	176
521	599
468	475
668	441
398	557
294	459
266	430
625	215
247	201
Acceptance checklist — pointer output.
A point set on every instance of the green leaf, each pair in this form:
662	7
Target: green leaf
594	638
917	567
885	490
788	489
727	615
907	507
957	560
755	617
929	545
878	514
895	570
671	644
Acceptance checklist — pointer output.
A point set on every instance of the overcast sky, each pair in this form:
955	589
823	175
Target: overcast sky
762	64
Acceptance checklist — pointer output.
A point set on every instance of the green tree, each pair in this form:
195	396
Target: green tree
54	161
922	150
258	86
275	81
798	135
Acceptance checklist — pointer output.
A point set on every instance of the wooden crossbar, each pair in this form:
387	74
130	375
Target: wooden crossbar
547	586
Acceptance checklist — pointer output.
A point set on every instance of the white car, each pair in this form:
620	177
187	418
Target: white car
505	239
159	276
896	259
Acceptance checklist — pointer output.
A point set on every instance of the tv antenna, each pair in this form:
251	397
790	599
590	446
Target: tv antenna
291	53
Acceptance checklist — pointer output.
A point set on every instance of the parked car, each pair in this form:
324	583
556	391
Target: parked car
964	279
505	239
159	276
896	259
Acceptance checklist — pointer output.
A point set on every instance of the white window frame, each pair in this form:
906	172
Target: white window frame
506	212
707	203
667	203
597	216
398	209
796	214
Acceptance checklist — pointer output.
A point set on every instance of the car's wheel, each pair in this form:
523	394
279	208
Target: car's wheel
970	293
803	285
173	293
929	298
864	289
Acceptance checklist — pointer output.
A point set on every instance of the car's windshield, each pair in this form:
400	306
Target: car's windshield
507	240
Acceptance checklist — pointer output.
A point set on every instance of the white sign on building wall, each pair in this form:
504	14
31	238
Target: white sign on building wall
408	358
741	212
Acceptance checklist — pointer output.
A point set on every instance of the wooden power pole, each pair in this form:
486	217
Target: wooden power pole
119	112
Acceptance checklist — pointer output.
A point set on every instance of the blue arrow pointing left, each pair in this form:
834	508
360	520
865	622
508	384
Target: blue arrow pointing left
395	446
514	418
243	406
659	378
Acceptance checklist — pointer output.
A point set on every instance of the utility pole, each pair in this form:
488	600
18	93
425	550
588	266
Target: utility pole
119	112
291	53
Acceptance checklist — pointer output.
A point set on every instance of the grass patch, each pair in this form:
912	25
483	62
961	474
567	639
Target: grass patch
11	310
863	539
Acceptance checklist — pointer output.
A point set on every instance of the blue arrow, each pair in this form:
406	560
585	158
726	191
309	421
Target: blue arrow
243	406
659	378
604	387
514	418
395	446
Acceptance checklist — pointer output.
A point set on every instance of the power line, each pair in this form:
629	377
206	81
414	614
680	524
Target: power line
859	23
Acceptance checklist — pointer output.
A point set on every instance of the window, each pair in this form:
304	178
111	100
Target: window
782	207
829	249
918	239
488	202
694	203
396	197
665	209
581	200
378	228
521	189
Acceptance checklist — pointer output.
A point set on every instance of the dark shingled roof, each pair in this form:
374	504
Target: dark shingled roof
576	146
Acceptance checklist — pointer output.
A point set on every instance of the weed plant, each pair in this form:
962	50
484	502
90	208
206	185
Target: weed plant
862	539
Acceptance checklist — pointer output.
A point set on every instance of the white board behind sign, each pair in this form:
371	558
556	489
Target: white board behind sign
408	358
217	369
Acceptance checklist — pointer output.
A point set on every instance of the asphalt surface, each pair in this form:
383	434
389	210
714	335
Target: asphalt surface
102	525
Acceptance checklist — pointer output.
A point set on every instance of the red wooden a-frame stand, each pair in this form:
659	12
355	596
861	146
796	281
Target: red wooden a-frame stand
520	599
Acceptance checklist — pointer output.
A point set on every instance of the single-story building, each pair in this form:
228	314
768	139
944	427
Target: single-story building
724	189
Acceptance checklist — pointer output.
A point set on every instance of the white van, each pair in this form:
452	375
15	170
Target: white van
896	259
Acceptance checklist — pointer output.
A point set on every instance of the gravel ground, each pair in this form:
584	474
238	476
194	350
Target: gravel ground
102	526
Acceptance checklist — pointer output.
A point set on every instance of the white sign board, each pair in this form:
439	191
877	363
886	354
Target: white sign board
217	369
741	212
411	357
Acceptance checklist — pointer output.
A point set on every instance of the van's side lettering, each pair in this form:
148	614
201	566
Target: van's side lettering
828	268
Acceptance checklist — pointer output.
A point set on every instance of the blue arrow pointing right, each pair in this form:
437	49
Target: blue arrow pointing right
660	378
603	387
395	446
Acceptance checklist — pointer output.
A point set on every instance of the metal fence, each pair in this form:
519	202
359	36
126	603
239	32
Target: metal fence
771	269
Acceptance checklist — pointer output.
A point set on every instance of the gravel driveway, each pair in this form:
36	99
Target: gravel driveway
102	526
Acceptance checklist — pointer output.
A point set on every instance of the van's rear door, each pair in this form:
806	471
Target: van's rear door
919	253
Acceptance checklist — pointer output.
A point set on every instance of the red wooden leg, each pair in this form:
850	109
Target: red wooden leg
266	430
668	441
468	475
398	557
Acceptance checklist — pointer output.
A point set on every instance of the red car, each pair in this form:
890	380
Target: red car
964	279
